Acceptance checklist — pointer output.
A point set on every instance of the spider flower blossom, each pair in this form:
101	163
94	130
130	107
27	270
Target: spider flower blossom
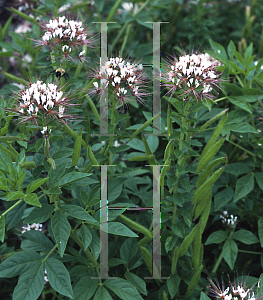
41	101
194	74
236	291
126	78
64	35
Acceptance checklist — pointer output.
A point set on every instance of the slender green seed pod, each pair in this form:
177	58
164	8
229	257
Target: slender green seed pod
202	203
212	120
163	172
165	296
76	149
73	134
197	244
2	228
188	240
198	193
93	108
175	253
141	157
204	160
28	165
205	215
92	158
135	226
146	124
167	151
24	16
215	135
148	151
192	285
169	121
208	170
147	258
87	127
15	78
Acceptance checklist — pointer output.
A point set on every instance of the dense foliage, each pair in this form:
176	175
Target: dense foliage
100	198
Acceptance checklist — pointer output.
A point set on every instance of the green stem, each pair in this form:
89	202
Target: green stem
219	259
50	252
249	252
220	99
74	236
10	208
112	121
240	147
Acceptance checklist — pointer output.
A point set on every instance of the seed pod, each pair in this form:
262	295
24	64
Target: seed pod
168	149
187	241
77	149
206	186
28	165
147	258
212	120
174	259
92	158
146	124
141	157
163	172
208	170
210	153
197	245
135	226
215	135
87	127
205	215
2	228
193	283
73	134
202	203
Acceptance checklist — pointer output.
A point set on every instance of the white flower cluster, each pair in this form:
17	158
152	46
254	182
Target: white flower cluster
64	29
233	292
34	226
194	71
229	220
122	75
40	96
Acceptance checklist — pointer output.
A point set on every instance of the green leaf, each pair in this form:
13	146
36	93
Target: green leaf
85	288
58	277
79	213
204	296
35	184
173	284
230	50
244	186
115	188
241	127
259	179
102	293
71	177
260	230
15	264
217	237
239	103
15	215
36	241
219	49
153	142
245	236
136	144
86	236
128	252
229	252
32	200
40	215
223	197
30	283
2	228
237	169
136	281
120	229
61	230
14	195
123	289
